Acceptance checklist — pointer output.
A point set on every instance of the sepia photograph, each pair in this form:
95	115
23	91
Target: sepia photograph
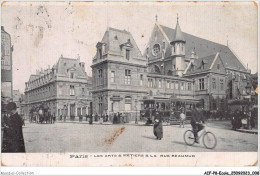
161	82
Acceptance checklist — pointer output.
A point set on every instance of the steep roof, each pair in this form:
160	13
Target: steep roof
208	60
178	36
204	48
114	38
67	63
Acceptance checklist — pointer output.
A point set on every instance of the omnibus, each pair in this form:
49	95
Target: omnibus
169	109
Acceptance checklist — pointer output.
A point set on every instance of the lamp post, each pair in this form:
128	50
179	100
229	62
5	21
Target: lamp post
136	121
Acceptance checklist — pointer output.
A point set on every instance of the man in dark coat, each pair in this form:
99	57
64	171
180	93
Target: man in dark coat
196	118
13	141
158	129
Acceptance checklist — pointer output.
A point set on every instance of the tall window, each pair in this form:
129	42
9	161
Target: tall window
150	83
172	85
221	84
168	85
71	75
83	91
182	86
100	76
189	86
100	100
218	66
72	90
128	103
214	86
128	77
159	83
127	54
59	90
202	65
100	53
141	80
112	76
176	85
201	84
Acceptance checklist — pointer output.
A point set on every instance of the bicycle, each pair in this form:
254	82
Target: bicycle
207	138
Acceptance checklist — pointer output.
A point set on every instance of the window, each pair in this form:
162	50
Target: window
174	67
156	49
218	66
163	45
214	86
202	65
189	86
201	84
176	85
71	75
221	84
72	90
172	85
182	86
128	103
141	80
59	90
128	77
150	83
112	76
192	67
100	53
127	54
100	100
100	76
182	48
168	85
159	83
83	91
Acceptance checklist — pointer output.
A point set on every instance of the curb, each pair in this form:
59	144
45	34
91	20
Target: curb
247	131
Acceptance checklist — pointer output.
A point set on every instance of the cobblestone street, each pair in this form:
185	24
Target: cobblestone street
82	137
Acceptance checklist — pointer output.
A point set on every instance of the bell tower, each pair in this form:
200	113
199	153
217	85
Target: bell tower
178	50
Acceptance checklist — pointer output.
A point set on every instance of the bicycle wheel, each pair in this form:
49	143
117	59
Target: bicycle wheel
189	137
209	140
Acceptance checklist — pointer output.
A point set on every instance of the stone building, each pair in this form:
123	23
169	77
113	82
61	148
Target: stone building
6	67
64	90
209	65
119	74
174	64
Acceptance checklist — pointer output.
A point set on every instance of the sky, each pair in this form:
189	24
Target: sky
42	31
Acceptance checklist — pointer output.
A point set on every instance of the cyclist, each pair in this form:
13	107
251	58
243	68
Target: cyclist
196	119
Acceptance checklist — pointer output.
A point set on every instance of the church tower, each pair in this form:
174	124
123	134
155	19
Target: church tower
178	50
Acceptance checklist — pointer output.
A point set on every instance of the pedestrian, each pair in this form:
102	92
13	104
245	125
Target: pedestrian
80	118
96	117
106	118
115	118
182	118
158	129
54	118
13	141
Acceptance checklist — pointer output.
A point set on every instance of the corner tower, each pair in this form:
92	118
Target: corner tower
178	50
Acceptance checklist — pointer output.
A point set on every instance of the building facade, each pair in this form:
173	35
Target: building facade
174	64
119	74
64	89
6	67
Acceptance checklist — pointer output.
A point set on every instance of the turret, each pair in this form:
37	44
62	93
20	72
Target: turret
178	50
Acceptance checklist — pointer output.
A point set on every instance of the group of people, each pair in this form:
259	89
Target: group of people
41	117
12	122
242	119
197	122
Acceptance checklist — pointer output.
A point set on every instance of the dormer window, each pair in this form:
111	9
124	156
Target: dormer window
116	37
192	67
100	53
127	54
218	66
202	65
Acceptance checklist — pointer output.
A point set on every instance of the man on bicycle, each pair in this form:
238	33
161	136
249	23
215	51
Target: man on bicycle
196	119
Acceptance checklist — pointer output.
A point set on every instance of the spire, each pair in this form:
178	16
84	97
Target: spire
178	36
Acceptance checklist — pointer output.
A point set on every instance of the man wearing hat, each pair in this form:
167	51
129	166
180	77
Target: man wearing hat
13	141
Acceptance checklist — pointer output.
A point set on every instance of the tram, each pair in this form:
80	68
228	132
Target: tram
169	109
